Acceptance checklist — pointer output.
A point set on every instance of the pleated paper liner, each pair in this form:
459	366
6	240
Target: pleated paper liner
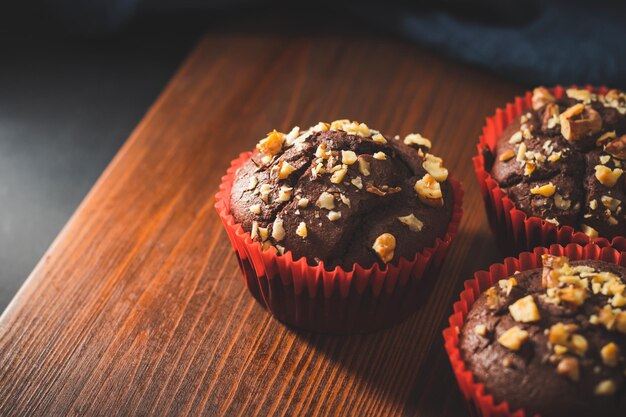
479	401
333	301
514	230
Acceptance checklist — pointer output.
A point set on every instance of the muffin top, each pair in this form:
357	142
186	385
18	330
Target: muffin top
552	340
343	193
562	160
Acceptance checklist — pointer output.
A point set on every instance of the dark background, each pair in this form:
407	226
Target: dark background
67	103
76	76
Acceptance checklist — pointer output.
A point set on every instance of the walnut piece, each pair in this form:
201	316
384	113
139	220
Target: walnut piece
606	176
429	191
272	144
513	338
570	368
610	354
579	121
348	157
417	139
541	97
302	230
507	155
604	388
326	201
285	170
546	190
434	166
384	245
278	231
525	310
617	148
414	224
480	330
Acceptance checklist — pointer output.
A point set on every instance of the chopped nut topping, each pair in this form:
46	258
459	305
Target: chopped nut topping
302	230
320	127
255	230
371	188
617	147
322	152
605	388
507	285
357	182
492	299
252	183
521	153
344	199
339	175
364	166
381	156
384	245
513	338
480	330
551	116
414	224
265	191
285	193
303	202
606	176
255	208
555	156
263	233
606	136
604	159
546	190
338	124
429	191
272	144
294	136
278	231
610	354
589	231
326	201
553	267
378	138
525	310
561	203
434	166
541	97
285	170
570	368
507	155
529	168
516	138
581	95
417	139
579	121
348	157
334	215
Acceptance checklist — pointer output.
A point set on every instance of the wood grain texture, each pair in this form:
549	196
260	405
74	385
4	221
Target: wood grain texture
138	308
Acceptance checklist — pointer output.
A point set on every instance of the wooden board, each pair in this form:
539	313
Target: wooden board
138	308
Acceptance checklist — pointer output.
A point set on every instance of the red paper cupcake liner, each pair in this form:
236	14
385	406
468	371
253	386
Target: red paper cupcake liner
479	401
336	301
514	229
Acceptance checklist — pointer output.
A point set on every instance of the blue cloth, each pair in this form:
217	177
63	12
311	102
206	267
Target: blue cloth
564	43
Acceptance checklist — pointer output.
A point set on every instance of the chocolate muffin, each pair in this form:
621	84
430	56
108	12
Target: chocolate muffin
562	160
344	194
552	340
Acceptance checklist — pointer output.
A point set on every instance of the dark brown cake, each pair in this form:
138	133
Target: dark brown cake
562	161
343	193
552	341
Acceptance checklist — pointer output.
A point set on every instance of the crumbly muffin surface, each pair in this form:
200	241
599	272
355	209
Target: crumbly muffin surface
343	193
552	340
562	161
